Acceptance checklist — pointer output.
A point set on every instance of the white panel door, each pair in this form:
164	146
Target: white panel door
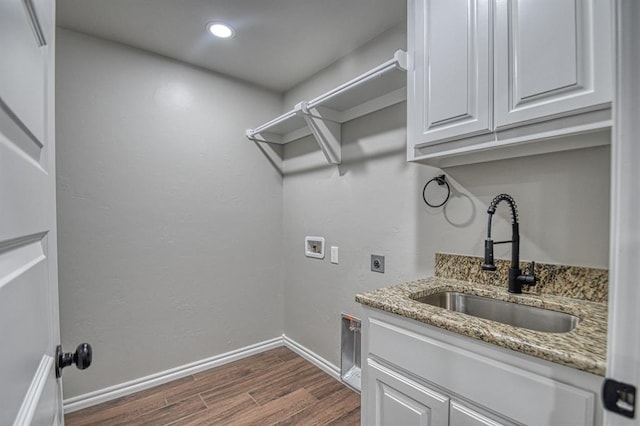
623	345
398	400
552	58
29	327
449	86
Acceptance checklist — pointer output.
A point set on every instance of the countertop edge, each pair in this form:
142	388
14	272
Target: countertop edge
584	347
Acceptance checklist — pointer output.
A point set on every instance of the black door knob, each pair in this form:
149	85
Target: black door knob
81	358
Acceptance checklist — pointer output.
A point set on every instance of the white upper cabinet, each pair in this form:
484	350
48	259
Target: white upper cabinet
452	90
552	57
489	74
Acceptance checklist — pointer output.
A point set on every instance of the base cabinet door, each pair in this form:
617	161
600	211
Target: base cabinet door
397	400
462	415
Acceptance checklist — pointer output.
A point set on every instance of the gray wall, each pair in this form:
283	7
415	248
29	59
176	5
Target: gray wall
170	221
179	240
372	203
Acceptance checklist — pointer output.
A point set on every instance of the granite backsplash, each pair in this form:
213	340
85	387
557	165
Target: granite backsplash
577	282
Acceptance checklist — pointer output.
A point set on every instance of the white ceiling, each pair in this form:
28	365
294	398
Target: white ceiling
278	43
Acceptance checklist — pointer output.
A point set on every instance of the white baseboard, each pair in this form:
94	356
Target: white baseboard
312	357
107	394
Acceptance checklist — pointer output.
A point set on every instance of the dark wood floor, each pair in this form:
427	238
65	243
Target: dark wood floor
276	387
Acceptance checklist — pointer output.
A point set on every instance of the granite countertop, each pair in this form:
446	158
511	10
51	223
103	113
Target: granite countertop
583	348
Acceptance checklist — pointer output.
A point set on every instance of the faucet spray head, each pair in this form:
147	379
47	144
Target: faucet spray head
488	264
512	205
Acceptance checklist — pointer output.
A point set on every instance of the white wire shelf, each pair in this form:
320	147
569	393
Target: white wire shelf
378	88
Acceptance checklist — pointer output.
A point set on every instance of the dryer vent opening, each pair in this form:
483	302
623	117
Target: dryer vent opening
350	370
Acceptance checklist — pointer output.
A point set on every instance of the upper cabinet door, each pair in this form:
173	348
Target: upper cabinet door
449	85
552	58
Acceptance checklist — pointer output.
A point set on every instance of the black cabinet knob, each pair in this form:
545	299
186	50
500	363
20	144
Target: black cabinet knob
81	358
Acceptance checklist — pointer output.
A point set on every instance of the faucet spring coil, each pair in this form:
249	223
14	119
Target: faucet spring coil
512	204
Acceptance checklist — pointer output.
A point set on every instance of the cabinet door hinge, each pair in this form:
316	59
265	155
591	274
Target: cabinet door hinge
619	397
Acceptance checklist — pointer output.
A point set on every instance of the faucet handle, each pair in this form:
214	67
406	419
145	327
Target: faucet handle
530	277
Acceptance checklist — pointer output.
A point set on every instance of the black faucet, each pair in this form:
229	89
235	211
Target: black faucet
516	278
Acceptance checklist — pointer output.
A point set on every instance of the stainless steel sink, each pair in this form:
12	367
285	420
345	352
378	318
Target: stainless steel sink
505	312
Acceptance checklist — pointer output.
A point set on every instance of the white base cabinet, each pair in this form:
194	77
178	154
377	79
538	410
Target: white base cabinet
462	415
416	374
399	400
402	401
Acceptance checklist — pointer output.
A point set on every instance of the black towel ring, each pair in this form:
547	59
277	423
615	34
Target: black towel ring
441	181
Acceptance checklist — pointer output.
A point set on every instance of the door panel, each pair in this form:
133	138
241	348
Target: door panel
25	332
399	400
22	75
448	62
552	58
398	408
29	325
462	415
21	176
450	88
540	69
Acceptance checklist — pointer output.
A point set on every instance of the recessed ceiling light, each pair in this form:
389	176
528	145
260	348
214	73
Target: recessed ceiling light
220	30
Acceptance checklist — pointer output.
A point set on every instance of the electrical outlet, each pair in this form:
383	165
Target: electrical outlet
377	263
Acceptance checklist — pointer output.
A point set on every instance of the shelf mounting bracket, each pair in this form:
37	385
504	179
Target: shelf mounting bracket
325	131
267	142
